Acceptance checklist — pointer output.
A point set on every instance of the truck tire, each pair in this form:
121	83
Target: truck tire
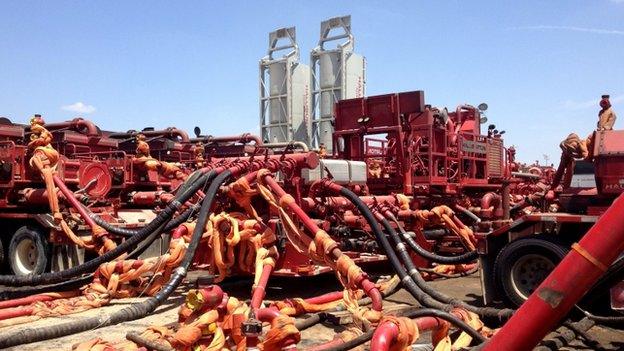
28	251
522	265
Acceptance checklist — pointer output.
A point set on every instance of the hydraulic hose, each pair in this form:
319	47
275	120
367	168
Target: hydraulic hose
172	224
413	282
91	266
614	275
33	290
463	258
185	192
409	284
423	286
136	310
416	313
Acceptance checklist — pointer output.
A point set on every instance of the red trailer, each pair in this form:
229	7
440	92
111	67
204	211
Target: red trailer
518	256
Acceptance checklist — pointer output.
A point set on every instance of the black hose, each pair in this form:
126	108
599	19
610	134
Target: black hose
418	289
612	276
311	321
416	313
615	320
149	344
146	243
421	251
423	286
92	265
186	190
73	284
136	310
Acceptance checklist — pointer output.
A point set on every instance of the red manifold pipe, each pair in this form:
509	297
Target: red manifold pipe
69	196
243	138
369	288
179	232
259	290
325	298
76	124
387	333
565	286
168	132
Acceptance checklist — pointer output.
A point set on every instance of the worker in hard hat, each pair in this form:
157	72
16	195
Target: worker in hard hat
606	116
322	152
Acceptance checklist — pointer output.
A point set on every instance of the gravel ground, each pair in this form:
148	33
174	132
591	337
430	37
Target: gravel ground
466	288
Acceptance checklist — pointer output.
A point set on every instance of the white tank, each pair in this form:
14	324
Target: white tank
337	73
284	90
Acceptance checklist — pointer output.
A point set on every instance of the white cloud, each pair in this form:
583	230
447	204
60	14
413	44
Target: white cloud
79	107
593	103
576	29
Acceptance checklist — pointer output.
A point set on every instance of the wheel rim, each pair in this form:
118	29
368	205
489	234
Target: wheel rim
26	255
528	273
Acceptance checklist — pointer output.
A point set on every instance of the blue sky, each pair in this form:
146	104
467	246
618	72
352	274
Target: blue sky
540	65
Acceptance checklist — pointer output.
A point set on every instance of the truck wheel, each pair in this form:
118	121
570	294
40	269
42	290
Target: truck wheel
28	252
522	265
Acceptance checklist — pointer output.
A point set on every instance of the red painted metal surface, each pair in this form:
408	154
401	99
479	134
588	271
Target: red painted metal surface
425	150
572	278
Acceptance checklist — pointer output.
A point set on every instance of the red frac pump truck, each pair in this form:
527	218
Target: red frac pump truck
518	256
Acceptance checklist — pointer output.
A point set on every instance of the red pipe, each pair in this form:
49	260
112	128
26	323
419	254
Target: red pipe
369	288
567	283
259	290
76	124
69	196
243	139
168	132
179	232
15	312
267	315
387	333
325	298
35	298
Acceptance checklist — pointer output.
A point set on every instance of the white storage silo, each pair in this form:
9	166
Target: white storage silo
284	90
337	74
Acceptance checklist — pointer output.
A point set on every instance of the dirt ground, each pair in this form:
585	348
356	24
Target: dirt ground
466	288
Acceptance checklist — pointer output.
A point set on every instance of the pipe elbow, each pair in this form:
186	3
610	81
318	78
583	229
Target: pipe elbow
91	128
385	335
373	292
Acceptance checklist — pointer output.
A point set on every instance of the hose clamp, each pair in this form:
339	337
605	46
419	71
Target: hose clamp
181	271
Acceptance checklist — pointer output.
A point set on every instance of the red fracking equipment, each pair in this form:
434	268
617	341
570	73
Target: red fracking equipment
566	285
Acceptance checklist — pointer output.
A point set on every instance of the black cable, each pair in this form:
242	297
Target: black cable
136	310
92	265
149	344
423	286
463	258
413	282
20	292
185	192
